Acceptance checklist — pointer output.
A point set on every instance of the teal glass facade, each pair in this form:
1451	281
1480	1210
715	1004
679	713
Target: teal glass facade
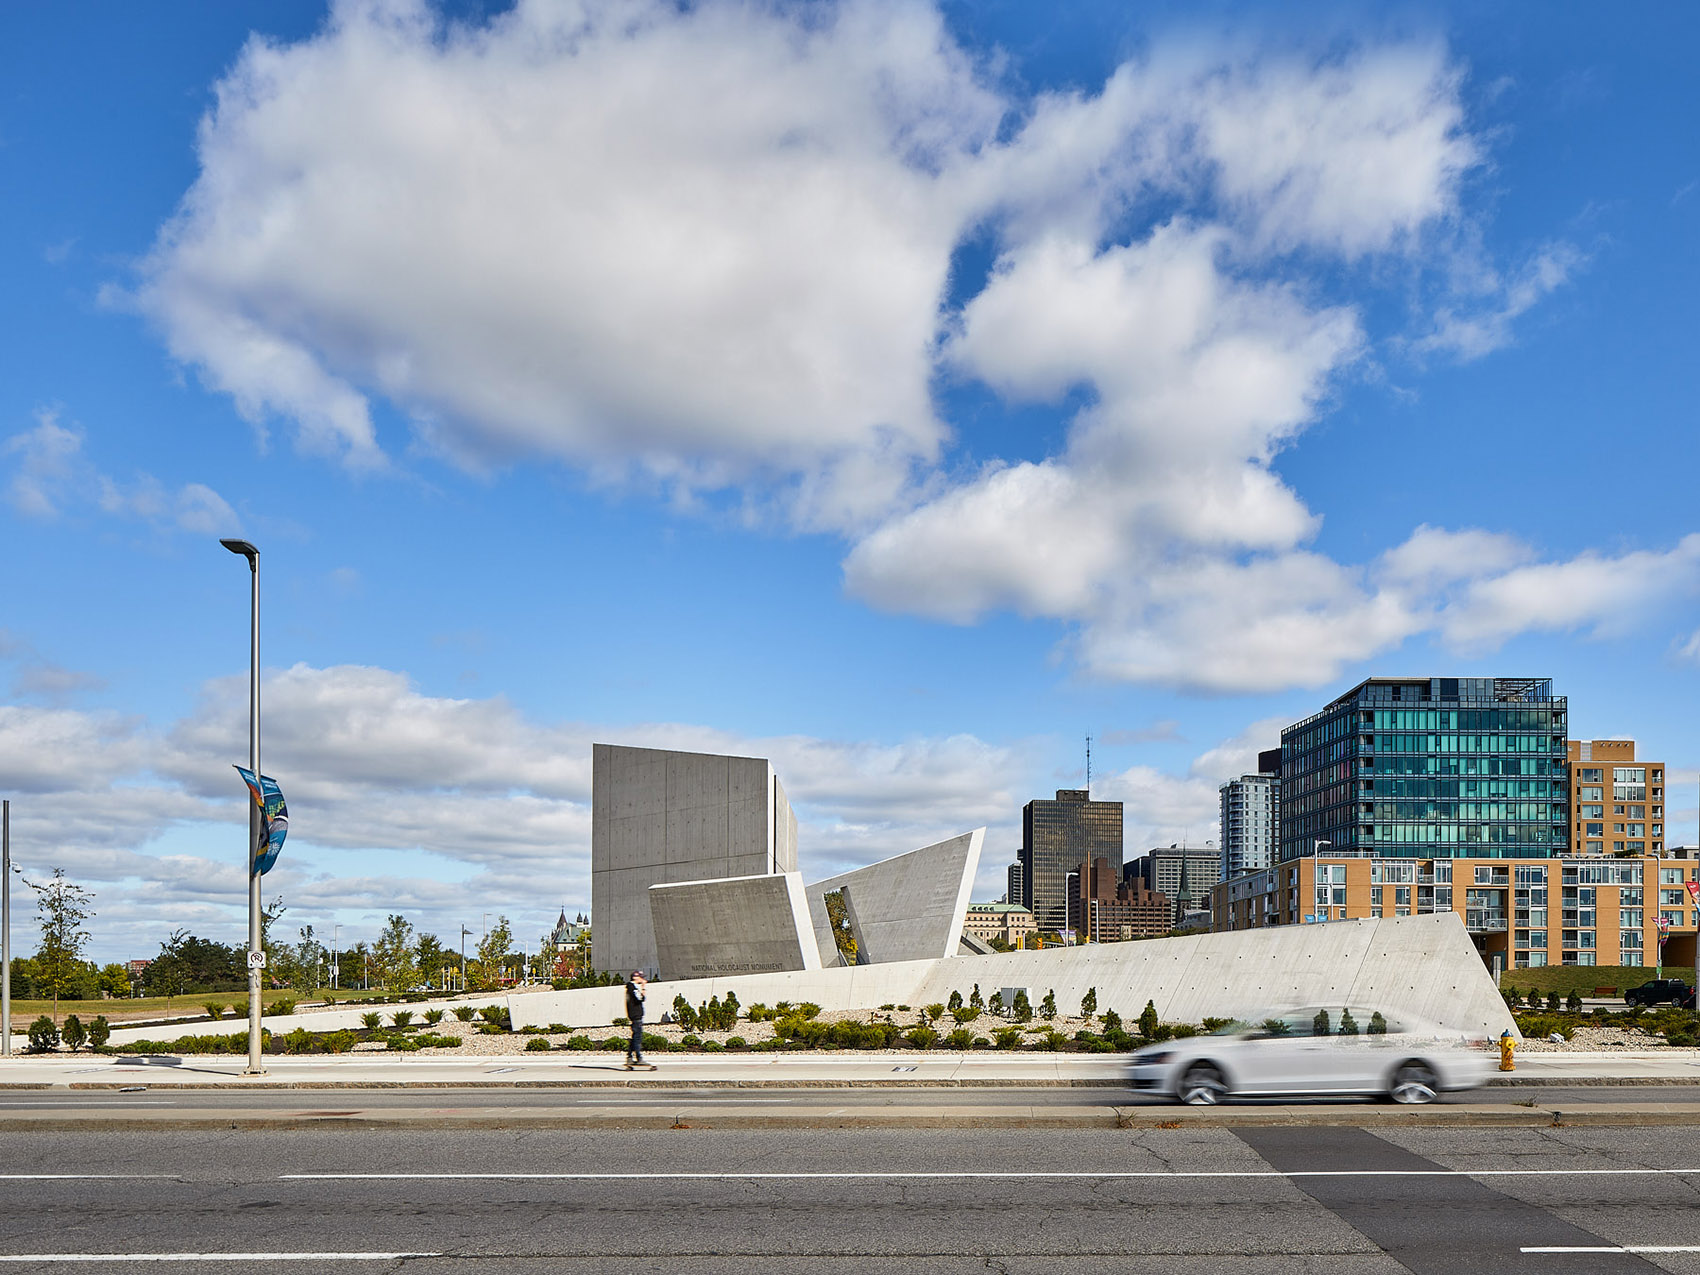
1430	768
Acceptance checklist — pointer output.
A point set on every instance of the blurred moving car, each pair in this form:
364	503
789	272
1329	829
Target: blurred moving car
1318	1050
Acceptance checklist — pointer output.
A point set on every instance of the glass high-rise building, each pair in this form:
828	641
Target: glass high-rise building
1439	767
1056	838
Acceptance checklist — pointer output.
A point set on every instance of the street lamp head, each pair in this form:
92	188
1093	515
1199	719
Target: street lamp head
245	549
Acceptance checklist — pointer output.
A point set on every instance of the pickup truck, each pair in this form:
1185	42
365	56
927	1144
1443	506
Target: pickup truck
1659	991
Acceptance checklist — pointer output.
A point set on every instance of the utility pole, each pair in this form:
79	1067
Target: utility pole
5	929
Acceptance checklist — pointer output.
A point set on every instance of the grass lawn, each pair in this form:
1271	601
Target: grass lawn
1583	979
23	1011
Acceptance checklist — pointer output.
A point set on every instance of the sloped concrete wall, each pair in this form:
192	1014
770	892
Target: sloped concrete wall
1424	966
662	816
911	907
735	925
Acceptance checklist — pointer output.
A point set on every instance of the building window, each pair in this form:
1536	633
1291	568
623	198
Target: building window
1629	940
1630	958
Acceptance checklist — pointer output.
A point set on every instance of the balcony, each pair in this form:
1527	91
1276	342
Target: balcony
1478	921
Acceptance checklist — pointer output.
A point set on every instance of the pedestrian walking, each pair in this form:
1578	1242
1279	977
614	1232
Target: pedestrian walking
636	986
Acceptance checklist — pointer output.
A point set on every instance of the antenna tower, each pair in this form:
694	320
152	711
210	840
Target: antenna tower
1089	766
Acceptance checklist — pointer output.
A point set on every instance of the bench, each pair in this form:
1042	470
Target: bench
1605	991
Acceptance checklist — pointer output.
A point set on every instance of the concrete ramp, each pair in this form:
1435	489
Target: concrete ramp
1425	966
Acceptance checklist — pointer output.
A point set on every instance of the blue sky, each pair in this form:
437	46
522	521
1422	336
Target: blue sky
903	393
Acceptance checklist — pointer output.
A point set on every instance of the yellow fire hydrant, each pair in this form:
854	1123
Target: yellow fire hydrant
1506	1047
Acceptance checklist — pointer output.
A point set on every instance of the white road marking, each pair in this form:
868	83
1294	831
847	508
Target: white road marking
987	1175
209	1257
1618	1248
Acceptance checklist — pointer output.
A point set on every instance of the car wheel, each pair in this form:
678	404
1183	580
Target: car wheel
1413	1082
1204	1085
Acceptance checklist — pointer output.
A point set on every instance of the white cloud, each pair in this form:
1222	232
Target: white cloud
1486	326
713	244
52	476
477	807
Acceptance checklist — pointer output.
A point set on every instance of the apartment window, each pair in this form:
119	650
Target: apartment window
1537	960
1629	898
1617	828
1538	938
1592	774
1595	830
1629	940
1629	958
1637	829
1671	876
1592	812
1375	896
1674	919
1637	812
1658	830
1630	919
1593	794
1638	847
1596	847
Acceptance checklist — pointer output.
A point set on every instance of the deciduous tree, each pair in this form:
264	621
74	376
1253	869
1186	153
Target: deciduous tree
62	909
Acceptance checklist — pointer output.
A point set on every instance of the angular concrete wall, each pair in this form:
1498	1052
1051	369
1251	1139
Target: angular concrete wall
1424	966
733	925
660	816
903	909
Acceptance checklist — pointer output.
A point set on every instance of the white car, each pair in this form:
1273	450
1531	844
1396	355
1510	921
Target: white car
1318	1050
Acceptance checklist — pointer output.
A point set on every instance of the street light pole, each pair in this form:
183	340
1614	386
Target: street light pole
256	950
5	929
336	955
463	933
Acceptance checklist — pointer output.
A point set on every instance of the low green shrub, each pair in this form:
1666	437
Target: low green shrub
281	1006
402	1018
435	1016
214	1009
760	1013
538	1044
465	1013
371	1020
43	1035
73	1033
1540	1026
622	1021
1053	1040
1007	1037
712	1046
921	1037
616	1043
99	1030
579	1042
961	1038
427	1040
497	1014
558	1029
737	1042
964	1014
652	1041
691	1040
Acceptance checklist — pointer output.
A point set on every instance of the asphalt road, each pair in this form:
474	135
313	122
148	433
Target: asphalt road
707	1202
563	1098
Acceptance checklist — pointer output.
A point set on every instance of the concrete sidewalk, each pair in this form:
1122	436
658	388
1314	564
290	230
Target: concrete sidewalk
789	1070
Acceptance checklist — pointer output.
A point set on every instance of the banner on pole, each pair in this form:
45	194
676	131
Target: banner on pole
274	818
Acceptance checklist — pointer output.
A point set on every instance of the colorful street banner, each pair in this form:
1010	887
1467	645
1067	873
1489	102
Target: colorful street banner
274	818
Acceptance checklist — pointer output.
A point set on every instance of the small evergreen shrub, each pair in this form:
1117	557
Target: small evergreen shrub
955	1002
73	1033
1007	1037
690	1040
214	1010
537	1045
371	1020
1089	1004
961	1038
435	1016
935	1012
737	1042
284	1005
579	1042
464	1013
1048	1006
1348	1024
1148	1020
1022	1010
99	1030
43	1036
402	1018
1573	1002
921	1037
964	1014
